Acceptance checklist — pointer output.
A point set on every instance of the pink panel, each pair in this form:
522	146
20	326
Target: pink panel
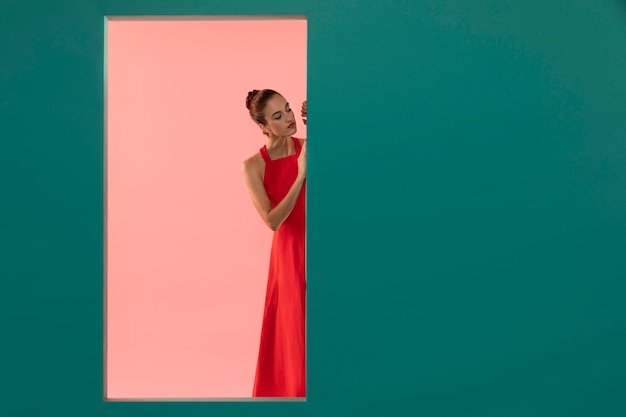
187	254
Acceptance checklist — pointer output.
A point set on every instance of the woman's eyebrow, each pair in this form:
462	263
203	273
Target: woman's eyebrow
286	106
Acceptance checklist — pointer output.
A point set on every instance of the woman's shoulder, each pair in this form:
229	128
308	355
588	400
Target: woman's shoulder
253	163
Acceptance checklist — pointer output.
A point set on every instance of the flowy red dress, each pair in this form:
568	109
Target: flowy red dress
280	368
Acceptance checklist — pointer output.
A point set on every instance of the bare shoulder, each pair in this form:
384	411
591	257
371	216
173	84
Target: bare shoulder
302	141
253	165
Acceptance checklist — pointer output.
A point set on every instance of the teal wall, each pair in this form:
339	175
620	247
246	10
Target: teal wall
467	203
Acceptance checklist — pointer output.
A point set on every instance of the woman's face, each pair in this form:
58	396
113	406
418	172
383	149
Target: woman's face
279	118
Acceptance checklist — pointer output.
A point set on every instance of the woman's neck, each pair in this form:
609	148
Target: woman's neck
277	142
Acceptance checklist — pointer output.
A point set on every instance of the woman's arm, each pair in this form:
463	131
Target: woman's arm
273	217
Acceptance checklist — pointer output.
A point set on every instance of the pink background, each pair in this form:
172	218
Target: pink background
186	252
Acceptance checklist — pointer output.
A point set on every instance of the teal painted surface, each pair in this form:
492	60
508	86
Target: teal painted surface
467	200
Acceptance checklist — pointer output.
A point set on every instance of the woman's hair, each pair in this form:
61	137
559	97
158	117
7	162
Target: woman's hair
256	102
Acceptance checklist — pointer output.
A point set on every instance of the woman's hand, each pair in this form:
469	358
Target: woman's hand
302	162
304	111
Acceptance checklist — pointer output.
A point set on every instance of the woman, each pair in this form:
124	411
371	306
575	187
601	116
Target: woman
276	177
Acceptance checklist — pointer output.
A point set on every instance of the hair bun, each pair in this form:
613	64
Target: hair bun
251	95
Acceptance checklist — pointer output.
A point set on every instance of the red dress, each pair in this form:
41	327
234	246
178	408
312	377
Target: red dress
280	368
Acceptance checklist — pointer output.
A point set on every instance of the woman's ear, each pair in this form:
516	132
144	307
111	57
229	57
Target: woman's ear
263	129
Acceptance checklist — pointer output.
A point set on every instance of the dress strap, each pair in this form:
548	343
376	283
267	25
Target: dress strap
298	146
265	155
